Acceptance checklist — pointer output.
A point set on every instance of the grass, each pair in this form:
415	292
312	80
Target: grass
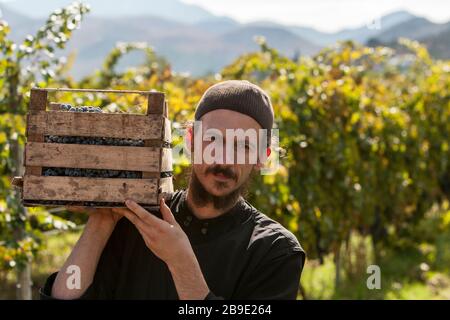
409	274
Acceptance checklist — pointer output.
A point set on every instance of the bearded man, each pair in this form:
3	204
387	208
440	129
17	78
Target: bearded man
207	242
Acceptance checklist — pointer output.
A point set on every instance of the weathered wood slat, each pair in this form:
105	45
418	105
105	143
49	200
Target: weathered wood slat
17	181
54	106
111	125
90	189
166	160
153	92
92	157
155	104
167	131
166	185
152	144
38	103
166	109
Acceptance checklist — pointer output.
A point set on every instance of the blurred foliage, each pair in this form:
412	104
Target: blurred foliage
366	132
22	66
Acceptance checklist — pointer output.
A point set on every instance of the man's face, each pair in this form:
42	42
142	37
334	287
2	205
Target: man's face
225	177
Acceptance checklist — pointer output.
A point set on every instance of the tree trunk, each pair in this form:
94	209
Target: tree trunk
24	281
376	254
318	246
337	263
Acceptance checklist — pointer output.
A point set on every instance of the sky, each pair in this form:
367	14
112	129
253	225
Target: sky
324	15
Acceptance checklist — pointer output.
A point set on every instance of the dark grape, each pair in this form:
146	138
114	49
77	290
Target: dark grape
65	106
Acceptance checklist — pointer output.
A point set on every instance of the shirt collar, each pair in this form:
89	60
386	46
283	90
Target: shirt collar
200	230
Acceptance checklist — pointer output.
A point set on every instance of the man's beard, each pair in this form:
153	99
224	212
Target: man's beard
201	197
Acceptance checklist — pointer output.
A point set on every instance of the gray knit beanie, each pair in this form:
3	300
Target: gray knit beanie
240	96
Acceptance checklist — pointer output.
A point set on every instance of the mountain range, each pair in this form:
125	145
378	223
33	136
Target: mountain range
199	42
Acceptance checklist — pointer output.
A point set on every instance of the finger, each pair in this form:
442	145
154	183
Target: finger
146	231
166	212
78	209
134	219
142	213
120	211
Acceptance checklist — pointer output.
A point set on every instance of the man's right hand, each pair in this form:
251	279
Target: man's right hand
101	216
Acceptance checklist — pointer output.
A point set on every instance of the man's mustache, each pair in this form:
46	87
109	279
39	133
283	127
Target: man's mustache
226	171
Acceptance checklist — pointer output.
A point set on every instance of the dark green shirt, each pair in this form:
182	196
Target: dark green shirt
243	255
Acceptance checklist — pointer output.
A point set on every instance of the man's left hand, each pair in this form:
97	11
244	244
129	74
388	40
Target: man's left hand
165	238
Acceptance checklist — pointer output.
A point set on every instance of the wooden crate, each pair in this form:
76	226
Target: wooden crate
153	159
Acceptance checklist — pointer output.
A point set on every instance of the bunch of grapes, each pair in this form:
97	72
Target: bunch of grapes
95	141
68	107
92	173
